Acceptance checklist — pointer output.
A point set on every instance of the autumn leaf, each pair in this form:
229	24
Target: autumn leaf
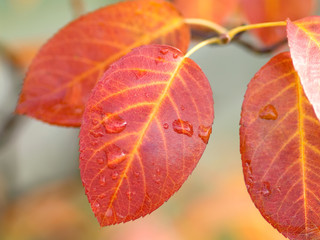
213	10
279	137
304	43
144	129
258	11
68	66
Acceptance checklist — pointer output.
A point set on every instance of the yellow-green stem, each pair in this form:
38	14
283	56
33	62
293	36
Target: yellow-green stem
225	36
205	23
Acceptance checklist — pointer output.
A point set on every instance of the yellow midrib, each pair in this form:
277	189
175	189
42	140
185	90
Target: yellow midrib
302	145
144	130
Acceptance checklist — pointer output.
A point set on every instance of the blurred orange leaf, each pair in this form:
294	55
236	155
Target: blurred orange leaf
65	70
279	137
304	43
258	11
143	132
213	10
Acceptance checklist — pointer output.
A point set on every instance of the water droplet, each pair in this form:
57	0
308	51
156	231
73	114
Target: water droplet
78	110
166	126
103	195
268	112
96	133
158	171
100	160
140	73
94	143
147	95
182	107
164	51
115	156
130	195
114	123
182	127
175	55
156	179
114	175
109	212
96	205
159	59
137	174
204	133
102	180
266	189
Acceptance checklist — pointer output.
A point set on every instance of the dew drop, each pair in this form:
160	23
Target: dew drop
175	55
114	175
114	123
182	108
164	51
204	133
103	195
115	156
266	189
158	171
102	180
96	133
137	174
109	212
147	95
78	110
182	127
268	112
100	160
96	205
140	73
130	195
156	179
159	59
166	126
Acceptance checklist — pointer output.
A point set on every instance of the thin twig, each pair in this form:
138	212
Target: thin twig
261	50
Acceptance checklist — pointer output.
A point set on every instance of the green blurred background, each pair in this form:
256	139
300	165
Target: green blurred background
41	195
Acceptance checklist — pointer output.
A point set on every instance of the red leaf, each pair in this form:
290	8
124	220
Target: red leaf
131	173
258	11
213	10
304	42
280	149
65	70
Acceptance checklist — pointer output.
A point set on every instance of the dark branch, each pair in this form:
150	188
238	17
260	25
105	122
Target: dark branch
260	50
77	7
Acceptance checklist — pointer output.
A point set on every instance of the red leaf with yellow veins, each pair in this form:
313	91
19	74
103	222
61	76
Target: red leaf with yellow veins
161	99
280	147
68	66
304	43
259	11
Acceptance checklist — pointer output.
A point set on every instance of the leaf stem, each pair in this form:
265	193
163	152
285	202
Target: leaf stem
205	23
225	36
202	44
233	32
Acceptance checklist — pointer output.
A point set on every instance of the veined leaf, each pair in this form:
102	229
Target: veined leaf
280	147
258	11
65	70
304	43
144	129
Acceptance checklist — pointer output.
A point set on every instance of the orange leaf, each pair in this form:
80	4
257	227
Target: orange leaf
304	42
65	70
258	11
158	105
280	149
213	10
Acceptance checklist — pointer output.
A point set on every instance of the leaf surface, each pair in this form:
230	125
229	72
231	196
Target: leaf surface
304	43
144	130
68	66
258	11
280	148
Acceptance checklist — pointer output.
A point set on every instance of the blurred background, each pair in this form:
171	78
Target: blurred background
41	194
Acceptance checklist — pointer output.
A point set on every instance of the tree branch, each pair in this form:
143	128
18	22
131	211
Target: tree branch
77	7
